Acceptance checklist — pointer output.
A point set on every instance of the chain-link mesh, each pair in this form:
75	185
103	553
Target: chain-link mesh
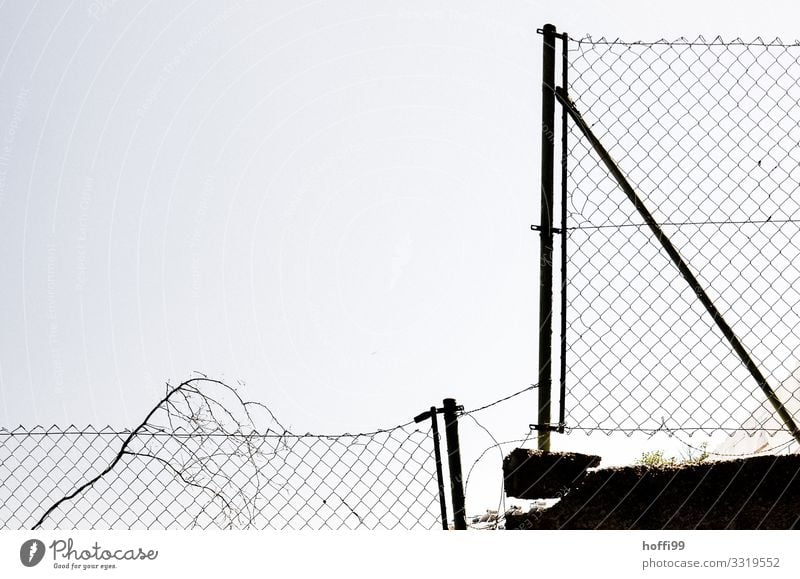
708	133
174	480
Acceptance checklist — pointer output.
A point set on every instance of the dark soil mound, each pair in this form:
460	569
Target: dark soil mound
535	474
752	493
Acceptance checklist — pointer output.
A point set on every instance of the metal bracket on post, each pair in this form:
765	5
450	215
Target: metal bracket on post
561	35
539	228
547	427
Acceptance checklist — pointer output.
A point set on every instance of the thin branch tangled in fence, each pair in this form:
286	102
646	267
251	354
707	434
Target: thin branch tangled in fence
204	457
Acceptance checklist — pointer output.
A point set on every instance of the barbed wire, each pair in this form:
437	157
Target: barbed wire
682	41
769	450
501	400
673	431
685	223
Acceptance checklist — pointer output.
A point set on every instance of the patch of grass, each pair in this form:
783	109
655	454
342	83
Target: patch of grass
700	457
656	458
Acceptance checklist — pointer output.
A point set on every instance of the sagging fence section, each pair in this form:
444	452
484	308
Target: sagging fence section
185	480
204	458
679	234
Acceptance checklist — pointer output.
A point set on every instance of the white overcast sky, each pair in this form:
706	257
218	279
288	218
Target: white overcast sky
329	201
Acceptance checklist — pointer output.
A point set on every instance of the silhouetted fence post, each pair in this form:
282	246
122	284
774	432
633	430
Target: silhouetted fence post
454	462
438	456
450	410
546	230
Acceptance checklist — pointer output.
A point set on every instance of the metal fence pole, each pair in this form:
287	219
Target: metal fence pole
439	476
564	175
454	463
437	453
546	231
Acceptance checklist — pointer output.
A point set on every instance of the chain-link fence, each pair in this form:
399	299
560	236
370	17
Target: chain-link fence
195	462
187	480
708	134
202	458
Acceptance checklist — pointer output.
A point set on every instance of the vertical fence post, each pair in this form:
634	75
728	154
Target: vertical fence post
454	463
546	230
439	477
562	391
437	453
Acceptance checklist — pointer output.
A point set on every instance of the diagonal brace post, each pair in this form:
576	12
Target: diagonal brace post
679	262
